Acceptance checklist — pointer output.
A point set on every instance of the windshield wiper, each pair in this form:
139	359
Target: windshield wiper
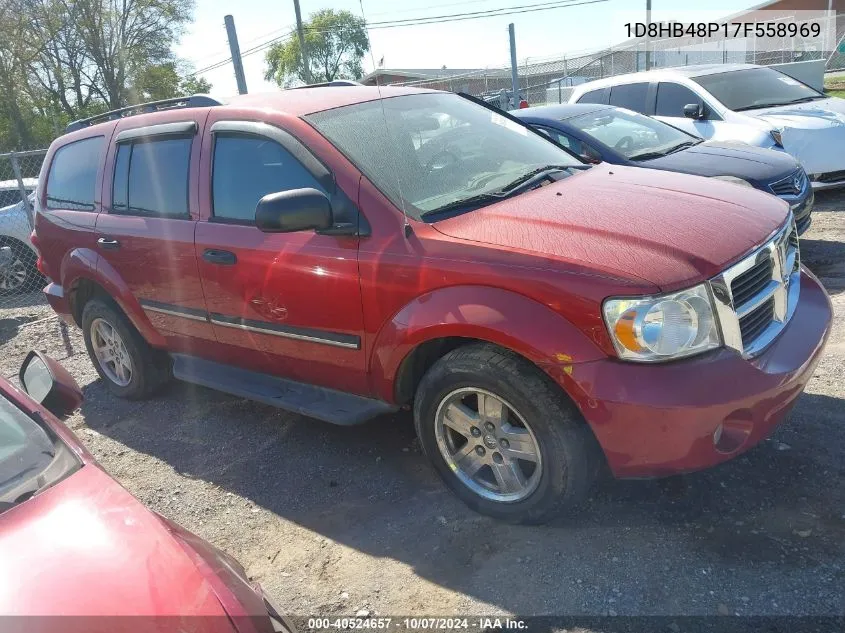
523	183
463	203
526	181
775	104
683	145
806	99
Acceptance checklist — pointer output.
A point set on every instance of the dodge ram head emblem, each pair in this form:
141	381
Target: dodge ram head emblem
796	182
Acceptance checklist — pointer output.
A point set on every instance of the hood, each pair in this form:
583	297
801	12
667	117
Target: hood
87	547
728	159
670	229
812	132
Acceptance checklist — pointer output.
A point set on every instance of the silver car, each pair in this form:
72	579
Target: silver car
737	102
18	256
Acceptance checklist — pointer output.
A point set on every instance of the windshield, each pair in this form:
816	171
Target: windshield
30	459
756	88
438	149
632	135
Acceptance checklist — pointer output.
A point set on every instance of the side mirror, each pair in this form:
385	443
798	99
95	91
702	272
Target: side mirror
694	110
50	384
295	210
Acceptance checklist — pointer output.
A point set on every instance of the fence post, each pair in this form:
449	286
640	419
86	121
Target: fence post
16	167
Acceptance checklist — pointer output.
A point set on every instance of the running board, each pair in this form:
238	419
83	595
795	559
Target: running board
325	404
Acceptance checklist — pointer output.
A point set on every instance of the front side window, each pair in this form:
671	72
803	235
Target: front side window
633	135
756	88
671	99
630	96
151	177
247	168
72	178
428	152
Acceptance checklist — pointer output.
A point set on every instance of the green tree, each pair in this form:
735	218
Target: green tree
194	86
164	82
123	38
335	42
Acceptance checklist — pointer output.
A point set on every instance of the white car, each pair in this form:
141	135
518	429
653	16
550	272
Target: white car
737	102
17	254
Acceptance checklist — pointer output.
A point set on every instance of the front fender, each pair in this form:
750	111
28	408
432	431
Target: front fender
85	264
498	316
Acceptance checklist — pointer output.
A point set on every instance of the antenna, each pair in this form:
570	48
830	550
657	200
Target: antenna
406	226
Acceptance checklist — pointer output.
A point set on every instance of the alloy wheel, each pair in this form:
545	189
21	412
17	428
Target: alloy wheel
111	352
12	274
488	445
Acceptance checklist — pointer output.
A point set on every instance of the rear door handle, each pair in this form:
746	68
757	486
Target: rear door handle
223	258
108	243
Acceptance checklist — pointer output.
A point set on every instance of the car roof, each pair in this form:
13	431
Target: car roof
560	112
296	102
304	101
659	73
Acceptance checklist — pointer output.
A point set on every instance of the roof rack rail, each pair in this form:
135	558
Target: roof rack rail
193	101
330	84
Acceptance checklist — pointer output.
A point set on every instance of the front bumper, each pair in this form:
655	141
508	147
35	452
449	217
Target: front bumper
829	180
659	420
802	210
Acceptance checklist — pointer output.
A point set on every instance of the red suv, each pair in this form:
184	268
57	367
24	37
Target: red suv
343	251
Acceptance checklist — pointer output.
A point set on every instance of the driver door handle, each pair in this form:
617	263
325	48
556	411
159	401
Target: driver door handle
222	258
108	243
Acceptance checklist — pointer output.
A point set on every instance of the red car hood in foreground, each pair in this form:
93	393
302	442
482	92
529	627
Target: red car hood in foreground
87	547
670	229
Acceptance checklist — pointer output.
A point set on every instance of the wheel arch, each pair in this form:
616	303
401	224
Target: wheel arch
433	324
86	275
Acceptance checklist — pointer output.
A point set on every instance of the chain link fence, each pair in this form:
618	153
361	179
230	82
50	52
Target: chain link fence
551	80
20	281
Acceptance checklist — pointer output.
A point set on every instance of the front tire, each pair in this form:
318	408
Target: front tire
129	367
504	438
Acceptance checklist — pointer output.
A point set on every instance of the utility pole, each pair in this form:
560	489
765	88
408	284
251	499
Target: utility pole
236	54
647	39
306	67
514	73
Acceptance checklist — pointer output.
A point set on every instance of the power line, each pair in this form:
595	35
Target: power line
421	21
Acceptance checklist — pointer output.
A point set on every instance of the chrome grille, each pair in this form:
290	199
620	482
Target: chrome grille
757	296
752	281
792	185
753	323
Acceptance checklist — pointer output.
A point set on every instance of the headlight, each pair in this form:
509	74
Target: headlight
654	329
734	179
777	137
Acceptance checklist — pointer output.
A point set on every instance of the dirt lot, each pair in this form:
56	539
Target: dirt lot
332	520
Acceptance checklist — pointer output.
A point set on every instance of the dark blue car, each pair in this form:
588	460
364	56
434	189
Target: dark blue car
602	133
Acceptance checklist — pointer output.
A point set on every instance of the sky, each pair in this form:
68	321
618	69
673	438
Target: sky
477	43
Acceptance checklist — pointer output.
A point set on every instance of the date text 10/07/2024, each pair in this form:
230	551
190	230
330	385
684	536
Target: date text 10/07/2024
723	29
417	624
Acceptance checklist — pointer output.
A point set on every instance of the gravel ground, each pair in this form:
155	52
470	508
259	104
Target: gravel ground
331	519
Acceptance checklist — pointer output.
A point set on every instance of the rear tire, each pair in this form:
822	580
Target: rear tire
129	367
527	457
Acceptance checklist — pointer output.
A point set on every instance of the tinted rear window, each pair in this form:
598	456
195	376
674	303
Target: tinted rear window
630	96
151	177
595	96
72	178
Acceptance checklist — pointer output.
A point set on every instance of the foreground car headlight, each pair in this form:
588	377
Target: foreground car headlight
665	327
734	179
